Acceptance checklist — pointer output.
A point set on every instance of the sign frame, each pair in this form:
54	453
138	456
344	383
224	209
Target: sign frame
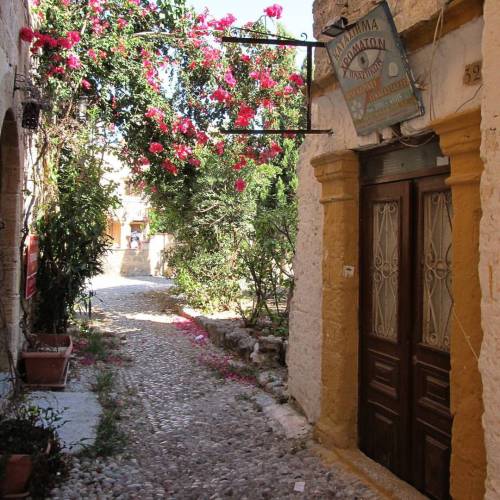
31	266
381	92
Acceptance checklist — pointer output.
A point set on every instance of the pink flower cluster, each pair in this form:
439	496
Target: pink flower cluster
274	10
221	95
240	185
229	78
170	167
223	23
240	163
297	79
184	126
245	116
268	154
210	56
265	79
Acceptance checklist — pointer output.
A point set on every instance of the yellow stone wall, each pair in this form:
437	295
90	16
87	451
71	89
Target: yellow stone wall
460	139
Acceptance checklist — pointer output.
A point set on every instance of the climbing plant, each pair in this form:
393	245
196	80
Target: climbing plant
72	230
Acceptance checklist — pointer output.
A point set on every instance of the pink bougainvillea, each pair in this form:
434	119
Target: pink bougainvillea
221	95
26	34
184	126
240	164
182	151
297	79
229	78
170	167
194	161
274	10
73	62
223	23
245	116
240	185
219	148
81	57
155	147
155	113
202	138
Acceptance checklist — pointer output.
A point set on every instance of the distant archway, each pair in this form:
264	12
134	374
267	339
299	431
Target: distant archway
10	233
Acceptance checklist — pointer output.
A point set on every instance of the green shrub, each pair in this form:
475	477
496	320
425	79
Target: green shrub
72	233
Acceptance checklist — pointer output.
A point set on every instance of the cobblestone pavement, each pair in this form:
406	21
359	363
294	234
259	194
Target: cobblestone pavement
192	435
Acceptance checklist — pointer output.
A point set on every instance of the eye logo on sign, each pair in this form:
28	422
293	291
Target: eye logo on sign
373	72
363	59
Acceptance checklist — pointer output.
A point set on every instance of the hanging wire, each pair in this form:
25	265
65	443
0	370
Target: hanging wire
464	333
438	30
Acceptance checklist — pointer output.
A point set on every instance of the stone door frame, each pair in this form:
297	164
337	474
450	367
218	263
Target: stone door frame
338	173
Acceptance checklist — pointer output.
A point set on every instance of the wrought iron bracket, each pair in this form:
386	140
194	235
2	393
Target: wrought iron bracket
23	83
32	103
283	41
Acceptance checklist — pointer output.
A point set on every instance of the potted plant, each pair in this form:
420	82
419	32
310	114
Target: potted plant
46	360
29	450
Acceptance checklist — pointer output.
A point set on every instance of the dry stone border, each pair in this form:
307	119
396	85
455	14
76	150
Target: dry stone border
265	352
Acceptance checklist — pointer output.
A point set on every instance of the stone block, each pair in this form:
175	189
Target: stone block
233	338
246	346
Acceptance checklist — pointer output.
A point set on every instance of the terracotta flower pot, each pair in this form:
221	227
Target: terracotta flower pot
17	473
16	476
48	368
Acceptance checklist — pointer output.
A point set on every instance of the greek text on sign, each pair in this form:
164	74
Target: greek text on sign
373	72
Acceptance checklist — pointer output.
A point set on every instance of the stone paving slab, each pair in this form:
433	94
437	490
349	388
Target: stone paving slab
192	434
80	412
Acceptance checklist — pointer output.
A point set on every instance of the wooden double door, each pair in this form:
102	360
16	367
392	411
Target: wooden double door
406	305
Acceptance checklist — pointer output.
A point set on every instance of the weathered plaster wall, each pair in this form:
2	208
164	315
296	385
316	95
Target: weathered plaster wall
304	354
13	54
448	95
489	267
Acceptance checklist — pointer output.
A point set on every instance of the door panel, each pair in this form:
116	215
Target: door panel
385	323
405	421
431	339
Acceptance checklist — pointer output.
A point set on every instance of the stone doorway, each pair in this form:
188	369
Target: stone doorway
339	175
406	309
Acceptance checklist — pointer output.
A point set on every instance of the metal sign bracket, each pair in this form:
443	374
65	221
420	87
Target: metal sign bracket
280	40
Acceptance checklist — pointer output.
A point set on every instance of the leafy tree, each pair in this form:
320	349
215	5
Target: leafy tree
158	85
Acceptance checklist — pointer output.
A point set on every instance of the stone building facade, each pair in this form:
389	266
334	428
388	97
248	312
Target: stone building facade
147	257
14	57
422	403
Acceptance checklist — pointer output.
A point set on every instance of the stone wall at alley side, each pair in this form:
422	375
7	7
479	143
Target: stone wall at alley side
489	268
13	58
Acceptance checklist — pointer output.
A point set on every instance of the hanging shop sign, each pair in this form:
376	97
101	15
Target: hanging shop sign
373	72
31	266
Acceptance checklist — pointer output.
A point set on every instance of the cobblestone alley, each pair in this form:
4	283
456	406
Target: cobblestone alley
191	434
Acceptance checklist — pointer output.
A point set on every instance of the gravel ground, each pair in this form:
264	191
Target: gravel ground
192	434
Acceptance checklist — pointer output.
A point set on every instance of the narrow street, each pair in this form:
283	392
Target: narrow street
192	435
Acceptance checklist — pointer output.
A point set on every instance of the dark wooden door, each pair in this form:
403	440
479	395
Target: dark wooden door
406	306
